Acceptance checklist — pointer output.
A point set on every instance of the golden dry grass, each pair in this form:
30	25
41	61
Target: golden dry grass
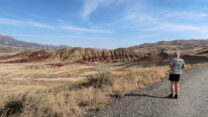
33	90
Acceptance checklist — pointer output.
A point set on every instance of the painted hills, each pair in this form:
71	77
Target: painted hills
191	51
76	55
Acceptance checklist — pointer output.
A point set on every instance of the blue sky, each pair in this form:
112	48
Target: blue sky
103	23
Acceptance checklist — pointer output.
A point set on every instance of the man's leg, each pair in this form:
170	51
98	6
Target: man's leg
177	87
172	87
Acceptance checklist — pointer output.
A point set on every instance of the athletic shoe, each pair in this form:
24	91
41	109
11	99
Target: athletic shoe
176	96
170	96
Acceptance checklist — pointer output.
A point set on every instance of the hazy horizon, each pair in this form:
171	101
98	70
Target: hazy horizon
106	24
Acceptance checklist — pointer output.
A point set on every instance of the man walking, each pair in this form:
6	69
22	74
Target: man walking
176	65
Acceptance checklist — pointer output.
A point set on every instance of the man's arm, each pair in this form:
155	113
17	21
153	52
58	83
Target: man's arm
183	65
171	65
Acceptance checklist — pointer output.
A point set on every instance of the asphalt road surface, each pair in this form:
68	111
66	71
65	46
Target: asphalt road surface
152	102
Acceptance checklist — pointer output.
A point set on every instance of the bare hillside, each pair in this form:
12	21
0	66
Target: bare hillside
191	50
10	44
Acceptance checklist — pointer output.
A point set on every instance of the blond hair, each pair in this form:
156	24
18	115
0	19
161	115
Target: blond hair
177	53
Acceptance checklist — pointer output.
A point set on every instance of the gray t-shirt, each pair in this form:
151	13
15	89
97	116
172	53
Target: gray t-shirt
177	64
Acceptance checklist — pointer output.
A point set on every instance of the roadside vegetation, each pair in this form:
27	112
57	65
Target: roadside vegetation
76	98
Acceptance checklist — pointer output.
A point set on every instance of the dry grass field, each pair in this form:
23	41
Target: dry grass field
21	76
37	89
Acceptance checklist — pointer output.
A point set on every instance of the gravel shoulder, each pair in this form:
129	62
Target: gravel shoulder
151	101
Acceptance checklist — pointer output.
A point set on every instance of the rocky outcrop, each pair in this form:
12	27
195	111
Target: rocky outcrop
78	55
92	55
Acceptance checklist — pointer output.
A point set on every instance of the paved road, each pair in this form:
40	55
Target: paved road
151	101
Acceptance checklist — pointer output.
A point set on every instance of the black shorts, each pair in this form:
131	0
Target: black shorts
174	77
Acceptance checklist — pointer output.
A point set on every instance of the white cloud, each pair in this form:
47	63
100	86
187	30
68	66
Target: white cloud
39	25
11	22
136	21
130	16
81	29
186	15
173	27
134	14
90	6
139	16
60	20
195	31
148	35
15	22
146	18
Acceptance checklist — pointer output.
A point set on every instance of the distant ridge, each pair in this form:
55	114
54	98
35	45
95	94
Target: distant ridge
180	45
10	41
